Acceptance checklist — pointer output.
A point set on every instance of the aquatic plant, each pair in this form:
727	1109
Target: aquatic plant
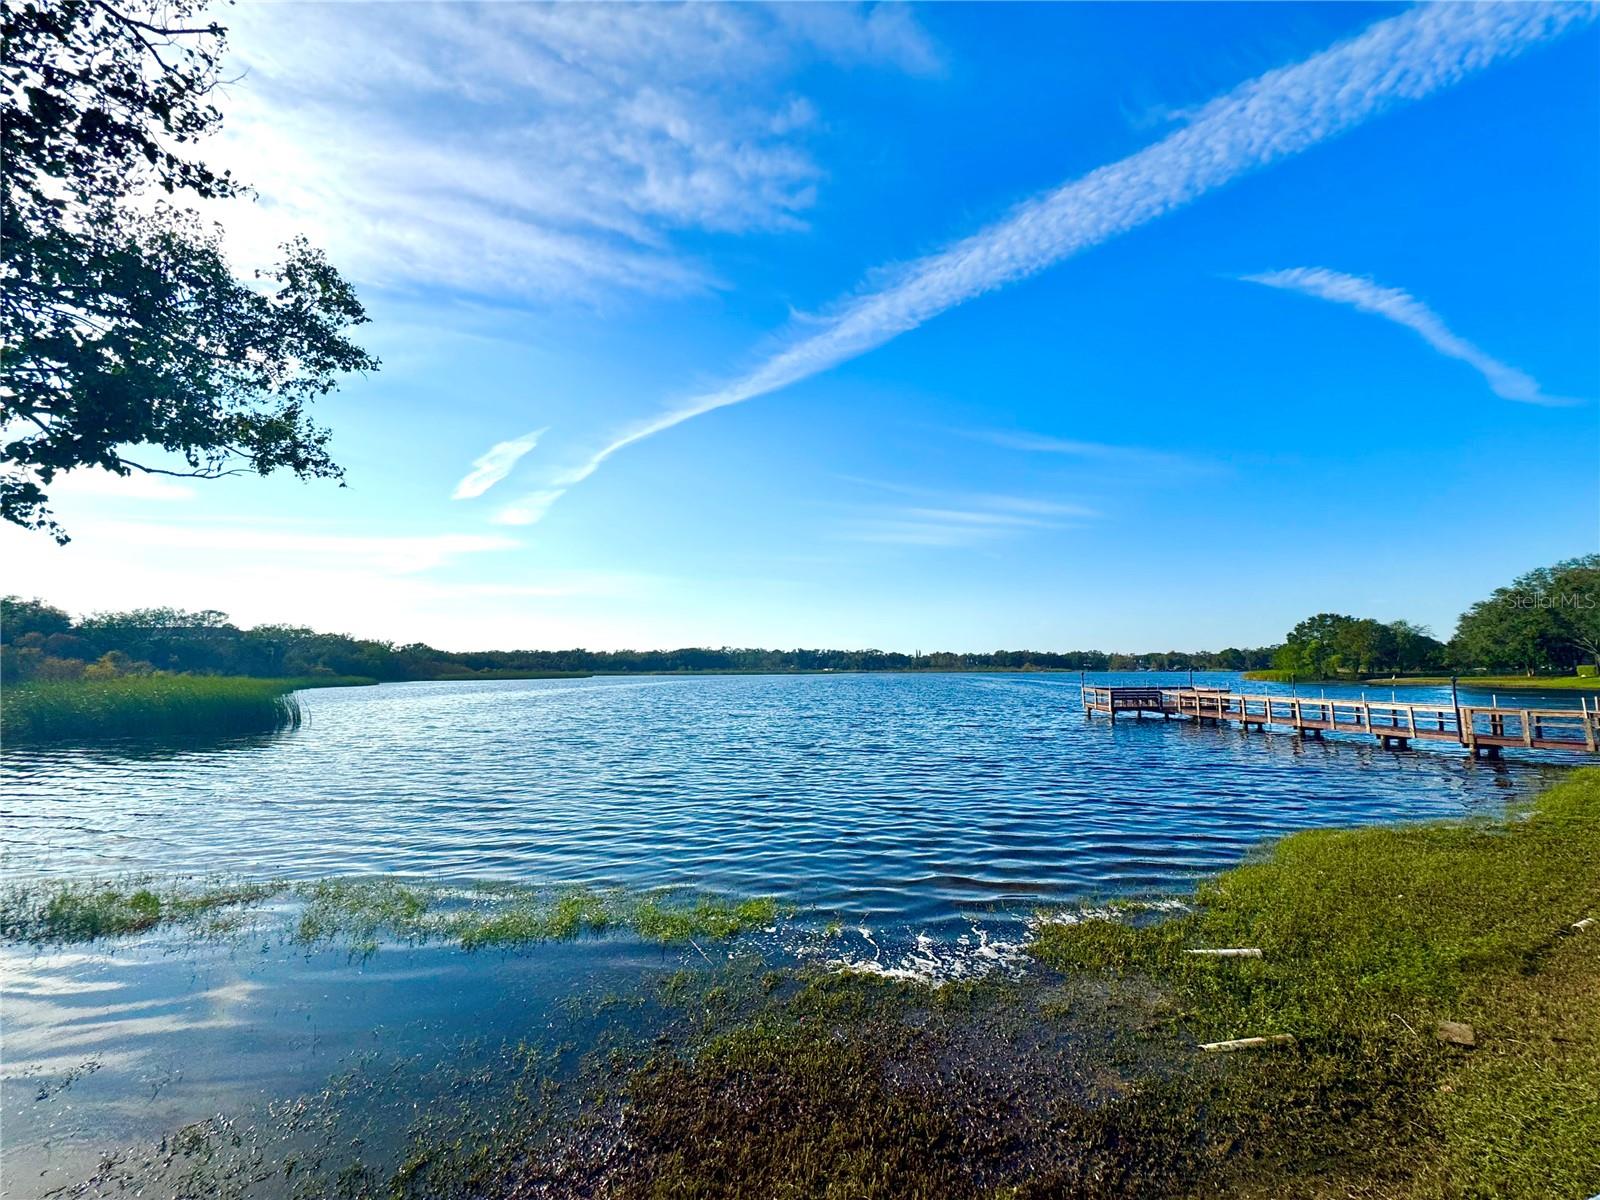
146	705
360	913
81	911
485	915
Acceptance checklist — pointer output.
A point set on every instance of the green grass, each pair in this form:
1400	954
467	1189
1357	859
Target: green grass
148	705
1510	683
82	911
1370	937
361	913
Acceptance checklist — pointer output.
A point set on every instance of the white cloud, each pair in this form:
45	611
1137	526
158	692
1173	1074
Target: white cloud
1278	114
494	465
528	509
528	149
1405	309
958	519
328	583
1039	443
96	481
400	554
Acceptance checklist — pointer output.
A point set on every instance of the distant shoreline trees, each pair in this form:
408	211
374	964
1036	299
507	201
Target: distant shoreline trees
1330	645
39	641
1545	620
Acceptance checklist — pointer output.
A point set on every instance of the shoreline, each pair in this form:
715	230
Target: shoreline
1428	996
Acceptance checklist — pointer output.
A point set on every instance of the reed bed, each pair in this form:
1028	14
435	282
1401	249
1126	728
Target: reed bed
147	705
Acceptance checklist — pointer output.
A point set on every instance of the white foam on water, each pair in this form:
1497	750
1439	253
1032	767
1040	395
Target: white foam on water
933	961
1115	912
927	960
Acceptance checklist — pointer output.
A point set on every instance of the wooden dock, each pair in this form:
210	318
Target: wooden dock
1483	730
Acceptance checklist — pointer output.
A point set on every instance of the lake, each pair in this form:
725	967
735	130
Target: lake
904	800
916	821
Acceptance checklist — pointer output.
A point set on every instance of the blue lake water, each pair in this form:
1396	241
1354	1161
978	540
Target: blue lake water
906	800
917	819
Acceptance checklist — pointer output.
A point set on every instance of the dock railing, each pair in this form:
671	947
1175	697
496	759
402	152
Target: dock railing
1487	728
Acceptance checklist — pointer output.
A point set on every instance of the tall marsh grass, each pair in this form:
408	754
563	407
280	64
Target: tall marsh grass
146	705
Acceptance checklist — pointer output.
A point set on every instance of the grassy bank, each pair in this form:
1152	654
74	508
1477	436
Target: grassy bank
1370	939
147	705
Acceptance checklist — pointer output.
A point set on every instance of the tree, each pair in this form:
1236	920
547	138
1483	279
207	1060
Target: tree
121	323
1571	589
1311	649
19	617
1546	618
1415	647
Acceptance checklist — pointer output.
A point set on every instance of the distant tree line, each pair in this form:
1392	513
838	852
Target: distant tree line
44	642
1546	620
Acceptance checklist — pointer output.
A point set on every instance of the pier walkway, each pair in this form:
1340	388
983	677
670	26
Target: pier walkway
1484	730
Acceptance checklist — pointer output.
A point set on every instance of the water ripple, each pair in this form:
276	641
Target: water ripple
914	801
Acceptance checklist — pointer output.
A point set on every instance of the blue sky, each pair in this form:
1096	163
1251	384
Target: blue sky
955	326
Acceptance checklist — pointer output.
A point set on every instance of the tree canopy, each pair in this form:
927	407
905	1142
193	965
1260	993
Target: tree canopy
1546	619
121	322
1330	644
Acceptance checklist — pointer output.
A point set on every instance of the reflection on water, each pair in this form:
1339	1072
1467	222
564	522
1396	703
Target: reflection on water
121	1046
912	800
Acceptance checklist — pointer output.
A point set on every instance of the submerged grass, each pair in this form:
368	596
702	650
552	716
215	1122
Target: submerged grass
75	911
362	913
146	705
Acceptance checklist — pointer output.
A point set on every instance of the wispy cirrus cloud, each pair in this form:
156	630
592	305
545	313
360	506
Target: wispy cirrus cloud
950	527
1042	443
929	517
1403	308
1275	115
534	150
494	465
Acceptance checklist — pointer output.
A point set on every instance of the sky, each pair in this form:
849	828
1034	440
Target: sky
1108	326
